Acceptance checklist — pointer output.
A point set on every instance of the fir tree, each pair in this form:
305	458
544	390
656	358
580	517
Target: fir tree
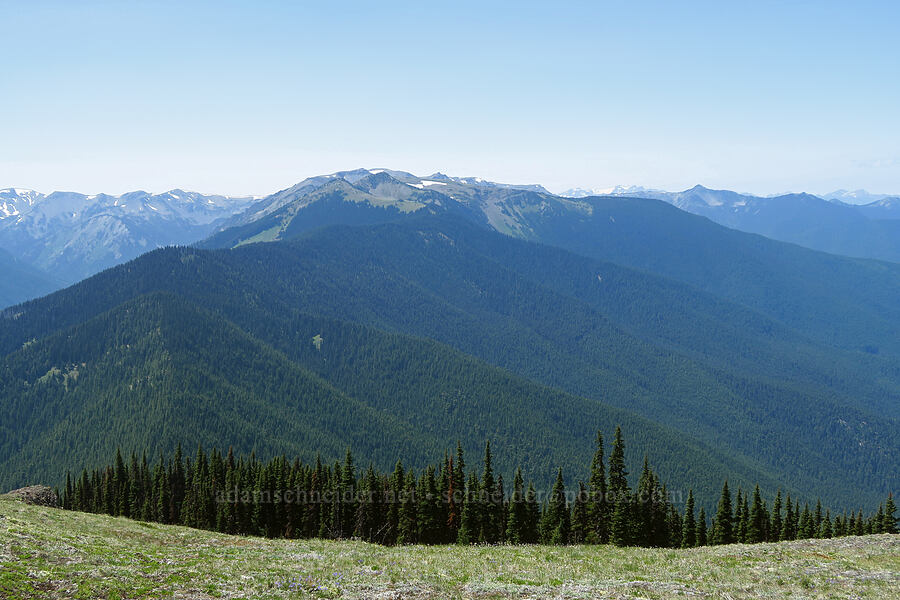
429	509
817	519
598	504
67	501
555	525
162	494
469	524
178	485
689	525
807	527
451	497
530	529
620	530
701	528
516	517
757	526
724	526
673	528
877	523
777	522
408	526
397	482
121	487
368	507
348	491
580	519
888	520
826	530
489	504
860	524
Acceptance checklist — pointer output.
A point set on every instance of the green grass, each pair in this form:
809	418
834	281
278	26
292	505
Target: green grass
49	553
269	235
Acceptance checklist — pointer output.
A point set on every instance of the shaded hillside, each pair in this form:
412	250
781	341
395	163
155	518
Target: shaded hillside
771	400
156	371
849	303
21	282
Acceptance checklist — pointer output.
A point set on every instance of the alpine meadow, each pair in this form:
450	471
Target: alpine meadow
597	379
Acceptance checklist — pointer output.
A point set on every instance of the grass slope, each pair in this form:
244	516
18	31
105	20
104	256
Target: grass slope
50	553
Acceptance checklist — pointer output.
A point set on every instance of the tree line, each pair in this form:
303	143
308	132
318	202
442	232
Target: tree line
443	504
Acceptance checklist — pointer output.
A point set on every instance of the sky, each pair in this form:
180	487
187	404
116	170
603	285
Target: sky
251	97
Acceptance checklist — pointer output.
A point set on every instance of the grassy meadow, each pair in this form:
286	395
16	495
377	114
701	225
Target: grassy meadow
51	553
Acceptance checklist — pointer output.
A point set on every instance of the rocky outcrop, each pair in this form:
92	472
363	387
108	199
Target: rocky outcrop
40	495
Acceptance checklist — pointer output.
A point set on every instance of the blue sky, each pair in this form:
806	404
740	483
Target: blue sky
237	98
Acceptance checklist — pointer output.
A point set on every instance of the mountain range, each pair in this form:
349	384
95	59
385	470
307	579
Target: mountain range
69	236
397	314
846	223
62	237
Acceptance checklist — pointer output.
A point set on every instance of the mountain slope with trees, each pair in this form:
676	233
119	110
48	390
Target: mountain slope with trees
771	400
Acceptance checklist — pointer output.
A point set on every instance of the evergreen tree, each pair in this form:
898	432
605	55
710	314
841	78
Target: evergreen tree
120	487
860	524
817	523
516	517
621	526
777	522
420	510
178	485
530	529
701	528
840	525
162	493
348	491
397	483
673	528
555	525
490	503
429	509
598	504
689	526
745	518
620	532
67	501
452	496
469	523
368	507
724	526
665	521
644	508
807	528
580	519
876	524
460	480
826	529
499	507
408	526
888	520
787	528
757	527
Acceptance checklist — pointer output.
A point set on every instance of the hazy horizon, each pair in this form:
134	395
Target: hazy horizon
557	190
247	100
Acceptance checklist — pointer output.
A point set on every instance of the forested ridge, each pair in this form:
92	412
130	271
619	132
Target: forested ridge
446	503
158	371
436	330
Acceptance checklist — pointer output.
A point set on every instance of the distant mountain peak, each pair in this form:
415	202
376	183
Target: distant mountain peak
854	196
71	235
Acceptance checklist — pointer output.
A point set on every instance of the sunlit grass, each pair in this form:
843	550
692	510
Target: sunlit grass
48	553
